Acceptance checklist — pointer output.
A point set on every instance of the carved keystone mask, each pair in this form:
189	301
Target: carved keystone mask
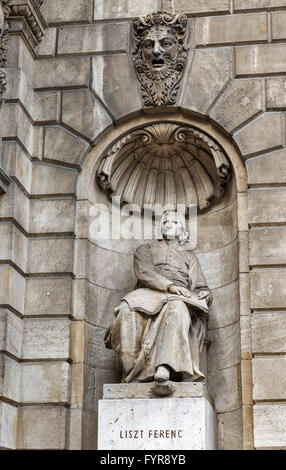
160	55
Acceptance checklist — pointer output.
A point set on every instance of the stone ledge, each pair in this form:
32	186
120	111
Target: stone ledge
4	181
144	390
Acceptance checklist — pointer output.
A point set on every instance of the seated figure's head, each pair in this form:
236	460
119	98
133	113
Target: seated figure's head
173	227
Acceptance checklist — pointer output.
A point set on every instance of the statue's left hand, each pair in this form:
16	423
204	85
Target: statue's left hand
178	290
204	294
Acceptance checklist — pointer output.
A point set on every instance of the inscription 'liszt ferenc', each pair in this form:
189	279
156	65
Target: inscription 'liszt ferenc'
160	327
160	55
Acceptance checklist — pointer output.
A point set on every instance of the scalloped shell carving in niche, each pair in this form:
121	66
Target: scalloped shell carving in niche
163	164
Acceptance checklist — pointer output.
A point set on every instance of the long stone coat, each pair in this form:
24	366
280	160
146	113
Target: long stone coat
154	327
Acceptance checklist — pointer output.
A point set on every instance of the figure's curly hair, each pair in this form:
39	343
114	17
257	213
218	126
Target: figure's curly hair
184	235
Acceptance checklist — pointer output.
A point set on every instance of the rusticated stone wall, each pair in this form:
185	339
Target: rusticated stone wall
62	95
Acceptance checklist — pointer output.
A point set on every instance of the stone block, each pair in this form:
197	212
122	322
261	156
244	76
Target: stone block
230	430
45	382
48	297
193	7
90	120
100	304
51	216
67	11
278	21
269	378
224	387
62	146
268	289
109	9
246	337
226	30
220	266
268	333
46	339
266	206
96	381
77	343
42	428
224	310
90	39
8	426
267	169
61	73
256	138
269	426
48	180
23	169
275	93
10	378
241	102
15	205
115	83
53	255
260	60
14	245
97	355
210	73
12	288
47	47
118	269
45	107
244	5
224	350
11	333
267	246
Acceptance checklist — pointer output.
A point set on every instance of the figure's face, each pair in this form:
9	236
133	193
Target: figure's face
172	227
160	49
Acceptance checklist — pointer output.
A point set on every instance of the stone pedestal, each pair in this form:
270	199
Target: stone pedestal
131	417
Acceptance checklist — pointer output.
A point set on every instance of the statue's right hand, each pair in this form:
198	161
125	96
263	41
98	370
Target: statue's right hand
180	291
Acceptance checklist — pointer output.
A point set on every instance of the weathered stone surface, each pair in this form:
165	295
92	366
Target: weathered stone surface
275	93
268	289
8	426
47	180
220	267
48	297
268	333
267	169
224	350
12	288
115	83
15	204
51	255
227	30
96	353
242	101
45	383
224	387
269	426
47	47
10	378
41	428
278	25
118	272
13	245
90	120
67	11
269	378
100	304
61	73
245	335
108	9
60	145
11	333
256	137
267	246
193	7
209	75
95	381
88	39
258	4
51	216
46	339
260	60
266	200
230	430
224	310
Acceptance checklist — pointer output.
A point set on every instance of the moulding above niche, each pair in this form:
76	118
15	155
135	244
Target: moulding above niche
165	163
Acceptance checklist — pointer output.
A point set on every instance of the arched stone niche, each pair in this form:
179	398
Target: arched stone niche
105	271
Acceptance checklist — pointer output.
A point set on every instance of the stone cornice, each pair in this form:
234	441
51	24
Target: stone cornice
25	16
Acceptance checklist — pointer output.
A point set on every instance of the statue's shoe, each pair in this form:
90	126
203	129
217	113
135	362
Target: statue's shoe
163	388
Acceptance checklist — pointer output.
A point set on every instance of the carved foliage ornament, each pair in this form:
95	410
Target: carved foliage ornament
164	164
4	28
160	55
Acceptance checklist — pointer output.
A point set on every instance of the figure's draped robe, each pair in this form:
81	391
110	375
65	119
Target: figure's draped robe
150	329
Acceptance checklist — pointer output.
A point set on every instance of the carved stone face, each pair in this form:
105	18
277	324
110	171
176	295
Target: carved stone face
172	226
160	50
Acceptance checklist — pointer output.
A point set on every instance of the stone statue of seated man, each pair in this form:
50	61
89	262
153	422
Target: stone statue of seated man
160	327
